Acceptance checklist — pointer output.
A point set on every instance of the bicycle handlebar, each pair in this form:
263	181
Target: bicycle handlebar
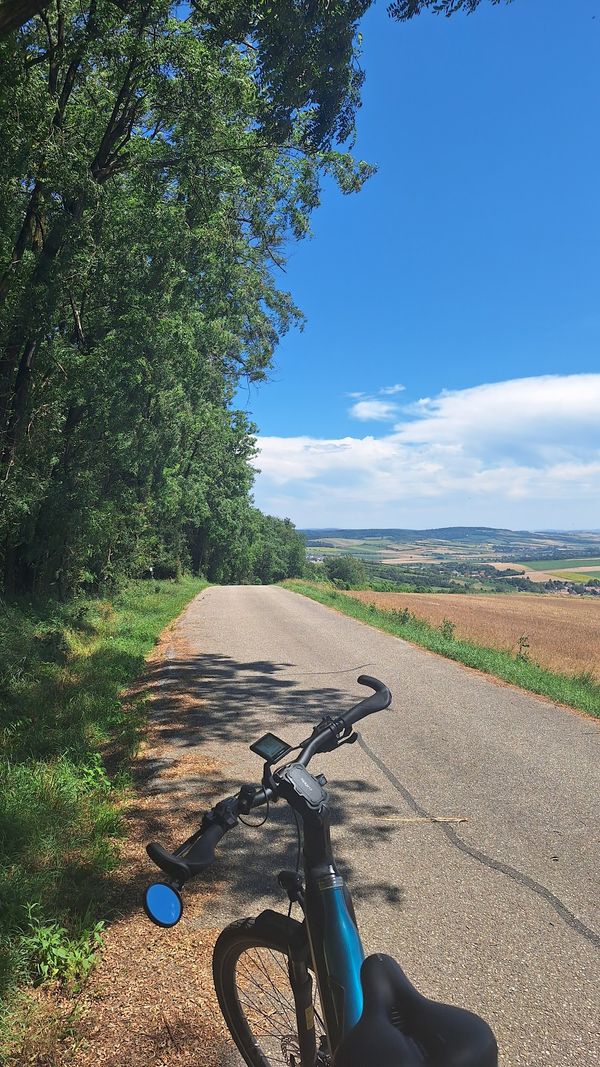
324	738
198	852
380	700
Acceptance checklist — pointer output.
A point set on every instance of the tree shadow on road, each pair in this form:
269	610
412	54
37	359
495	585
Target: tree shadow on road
201	705
203	712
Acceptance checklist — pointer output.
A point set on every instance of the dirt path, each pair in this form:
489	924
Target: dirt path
151	1001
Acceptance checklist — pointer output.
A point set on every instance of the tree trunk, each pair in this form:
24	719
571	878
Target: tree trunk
30	322
17	12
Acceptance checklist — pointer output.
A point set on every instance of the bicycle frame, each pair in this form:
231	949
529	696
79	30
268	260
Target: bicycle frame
333	936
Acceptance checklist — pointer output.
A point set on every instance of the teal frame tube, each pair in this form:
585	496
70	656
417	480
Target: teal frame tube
343	955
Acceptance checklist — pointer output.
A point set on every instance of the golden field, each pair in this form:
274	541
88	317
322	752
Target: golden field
563	632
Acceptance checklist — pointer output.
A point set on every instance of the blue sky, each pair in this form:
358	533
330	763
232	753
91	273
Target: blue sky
467	272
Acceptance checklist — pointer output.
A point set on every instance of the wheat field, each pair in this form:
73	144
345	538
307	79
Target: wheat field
563	632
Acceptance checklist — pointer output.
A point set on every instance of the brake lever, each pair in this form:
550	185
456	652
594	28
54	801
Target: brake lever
349	740
341	733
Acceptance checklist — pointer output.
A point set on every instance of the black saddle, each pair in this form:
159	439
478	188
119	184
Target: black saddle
400	1028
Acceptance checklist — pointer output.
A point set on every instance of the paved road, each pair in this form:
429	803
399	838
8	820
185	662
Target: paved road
499	913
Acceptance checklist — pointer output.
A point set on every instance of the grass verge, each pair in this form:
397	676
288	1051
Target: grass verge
63	668
579	691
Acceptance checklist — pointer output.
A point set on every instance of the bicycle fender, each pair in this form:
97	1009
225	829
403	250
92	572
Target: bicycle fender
289	931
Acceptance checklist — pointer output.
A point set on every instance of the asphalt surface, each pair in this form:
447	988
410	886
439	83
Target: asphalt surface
498	912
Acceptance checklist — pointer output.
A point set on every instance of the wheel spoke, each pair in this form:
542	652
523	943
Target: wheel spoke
263	968
278	999
266	999
254	1005
270	1007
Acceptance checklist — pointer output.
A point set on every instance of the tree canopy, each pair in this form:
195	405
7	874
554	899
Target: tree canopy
402	10
346	570
158	159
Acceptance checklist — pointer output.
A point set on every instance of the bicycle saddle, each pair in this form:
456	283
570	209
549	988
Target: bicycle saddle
401	1028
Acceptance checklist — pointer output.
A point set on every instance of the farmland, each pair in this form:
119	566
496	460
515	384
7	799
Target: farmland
563	634
564	564
465	559
580	570
519	598
543	550
577	576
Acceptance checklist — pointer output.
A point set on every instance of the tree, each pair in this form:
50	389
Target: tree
155	162
278	551
402	10
346	569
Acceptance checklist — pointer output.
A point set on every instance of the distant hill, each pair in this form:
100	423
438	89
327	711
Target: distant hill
442	533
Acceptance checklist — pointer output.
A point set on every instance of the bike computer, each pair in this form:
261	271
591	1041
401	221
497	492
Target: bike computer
270	748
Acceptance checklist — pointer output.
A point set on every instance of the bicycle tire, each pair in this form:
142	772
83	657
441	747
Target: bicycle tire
238	942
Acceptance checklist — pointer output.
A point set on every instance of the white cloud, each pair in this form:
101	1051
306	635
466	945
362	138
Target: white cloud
548	411
391	390
374	410
524	452
370	409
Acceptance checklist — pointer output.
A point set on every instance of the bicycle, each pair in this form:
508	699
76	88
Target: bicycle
359	1012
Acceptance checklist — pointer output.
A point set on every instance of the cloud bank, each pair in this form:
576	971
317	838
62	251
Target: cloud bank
524	452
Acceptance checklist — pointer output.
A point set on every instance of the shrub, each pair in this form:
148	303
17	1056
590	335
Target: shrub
53	954
346	569
522	648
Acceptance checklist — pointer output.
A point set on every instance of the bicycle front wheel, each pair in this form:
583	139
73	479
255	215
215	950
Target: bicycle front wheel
269	998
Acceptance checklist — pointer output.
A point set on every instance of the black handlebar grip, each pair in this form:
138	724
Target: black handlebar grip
198	851
168	863
373	683
183	866
380	699
202	853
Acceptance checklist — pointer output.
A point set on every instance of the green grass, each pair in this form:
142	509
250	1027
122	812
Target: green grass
580	691
563	564
62	723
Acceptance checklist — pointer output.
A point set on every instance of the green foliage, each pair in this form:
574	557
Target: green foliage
53	954
447	629
349	571
156	162
456	577
60	711
14	13
576	690
276	551
402	10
